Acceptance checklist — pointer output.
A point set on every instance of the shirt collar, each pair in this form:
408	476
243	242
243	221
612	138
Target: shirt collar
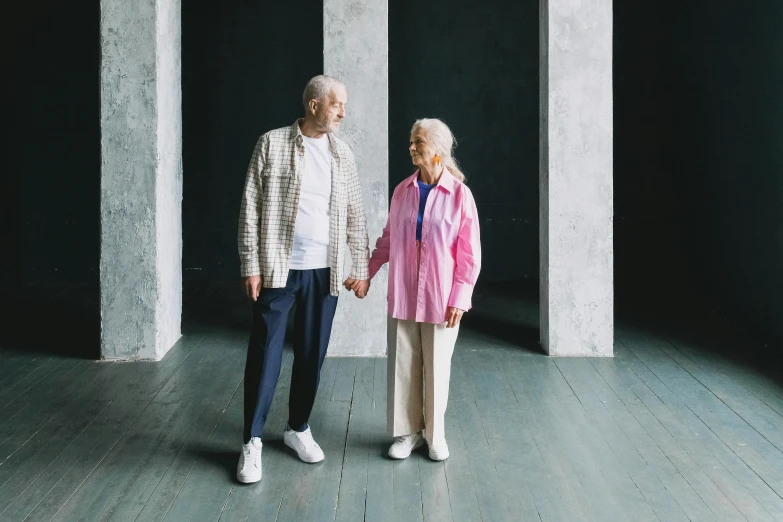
297	136
296	132
446	180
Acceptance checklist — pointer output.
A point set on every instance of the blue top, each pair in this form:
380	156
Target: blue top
424	191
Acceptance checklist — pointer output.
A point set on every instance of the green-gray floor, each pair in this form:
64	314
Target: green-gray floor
666	430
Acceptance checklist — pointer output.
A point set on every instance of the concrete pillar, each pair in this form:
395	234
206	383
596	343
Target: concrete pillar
356	50
141	178
576	206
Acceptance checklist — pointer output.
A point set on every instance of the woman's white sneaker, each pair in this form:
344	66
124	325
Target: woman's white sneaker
249	466
303	444
403	446
439	450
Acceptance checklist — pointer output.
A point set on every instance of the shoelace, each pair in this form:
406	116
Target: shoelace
305	439
247	452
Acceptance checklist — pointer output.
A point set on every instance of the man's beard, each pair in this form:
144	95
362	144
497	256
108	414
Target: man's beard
325	124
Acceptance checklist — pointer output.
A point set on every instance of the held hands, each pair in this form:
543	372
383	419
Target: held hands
252	286
360	287
453	316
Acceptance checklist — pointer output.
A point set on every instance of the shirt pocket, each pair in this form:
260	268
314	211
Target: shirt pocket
339	197
276	183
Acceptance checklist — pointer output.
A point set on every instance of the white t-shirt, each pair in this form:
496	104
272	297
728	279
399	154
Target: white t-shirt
311	232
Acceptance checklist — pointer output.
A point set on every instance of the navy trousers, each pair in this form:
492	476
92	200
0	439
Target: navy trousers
315	308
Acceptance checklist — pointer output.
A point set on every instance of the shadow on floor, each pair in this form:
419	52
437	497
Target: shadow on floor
690	322
506	312
506	331
222	459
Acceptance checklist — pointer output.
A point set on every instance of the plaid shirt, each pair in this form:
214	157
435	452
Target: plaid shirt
270	203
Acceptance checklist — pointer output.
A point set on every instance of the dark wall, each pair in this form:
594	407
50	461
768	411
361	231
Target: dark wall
475	66
649	254
698	134
51	177
728	128
699	158
244	67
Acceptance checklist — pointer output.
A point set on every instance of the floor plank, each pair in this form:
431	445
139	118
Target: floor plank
721	427
461	482
509	458
598	401
353	480
573	498
207	488
380	469
563	419
125	478
75	466
25	465
675	427
696	461
302	484
650	436
488	483
194	448
262	501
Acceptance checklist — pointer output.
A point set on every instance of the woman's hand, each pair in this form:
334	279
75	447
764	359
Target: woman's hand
360	287
453	315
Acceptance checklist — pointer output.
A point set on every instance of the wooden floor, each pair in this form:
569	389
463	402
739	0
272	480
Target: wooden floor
670	429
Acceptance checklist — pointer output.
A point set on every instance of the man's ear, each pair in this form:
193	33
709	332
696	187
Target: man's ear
313	104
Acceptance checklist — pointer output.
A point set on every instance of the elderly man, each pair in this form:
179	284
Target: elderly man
301	205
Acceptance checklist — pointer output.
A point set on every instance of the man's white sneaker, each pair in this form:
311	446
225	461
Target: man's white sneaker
303	444
403	446
249	466
439	450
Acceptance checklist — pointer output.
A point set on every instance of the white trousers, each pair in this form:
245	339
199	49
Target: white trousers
418	372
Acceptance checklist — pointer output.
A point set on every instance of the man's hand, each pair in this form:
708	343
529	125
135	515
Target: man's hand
453	315
252	286
360	287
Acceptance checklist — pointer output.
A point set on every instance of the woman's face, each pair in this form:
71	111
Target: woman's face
422	152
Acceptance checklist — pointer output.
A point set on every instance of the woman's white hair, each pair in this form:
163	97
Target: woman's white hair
318	89
439	135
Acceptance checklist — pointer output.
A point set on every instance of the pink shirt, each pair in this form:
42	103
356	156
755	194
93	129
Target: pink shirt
450	250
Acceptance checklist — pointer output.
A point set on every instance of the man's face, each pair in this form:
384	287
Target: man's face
331	111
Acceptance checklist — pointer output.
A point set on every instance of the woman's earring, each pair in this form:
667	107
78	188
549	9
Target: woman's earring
437	158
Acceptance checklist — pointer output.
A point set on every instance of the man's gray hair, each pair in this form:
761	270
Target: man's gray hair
318	88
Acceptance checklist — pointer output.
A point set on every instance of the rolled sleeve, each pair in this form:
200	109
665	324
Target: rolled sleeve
358	241
380	255
250	213
468	255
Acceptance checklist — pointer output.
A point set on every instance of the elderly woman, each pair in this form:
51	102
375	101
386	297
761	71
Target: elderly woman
431	242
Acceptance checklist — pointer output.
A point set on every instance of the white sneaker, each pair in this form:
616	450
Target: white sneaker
303	444
403	446
439	450
249	466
